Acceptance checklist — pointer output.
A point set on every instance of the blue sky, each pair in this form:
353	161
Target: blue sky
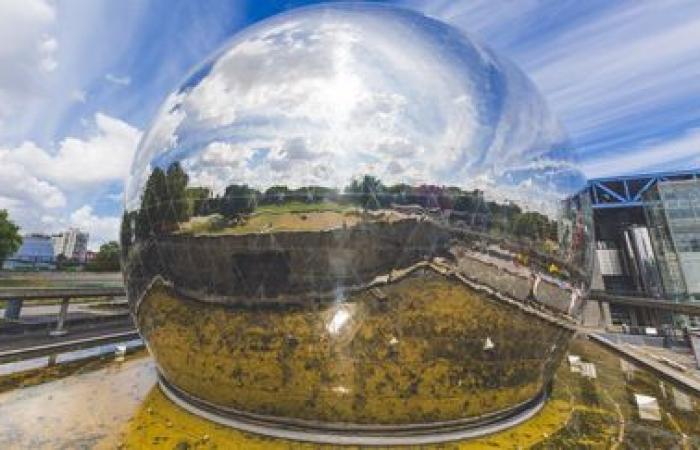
81	79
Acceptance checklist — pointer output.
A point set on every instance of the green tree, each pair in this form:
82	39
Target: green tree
153	212
197	199
367	192
470	202
107	258
126	231
276	195
62	262
164	202
238	199
10	240
399	193
532	225
176	185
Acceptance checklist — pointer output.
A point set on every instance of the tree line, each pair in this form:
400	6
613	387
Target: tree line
167	200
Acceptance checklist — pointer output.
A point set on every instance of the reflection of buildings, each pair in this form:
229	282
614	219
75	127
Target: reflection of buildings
36	252
72	244
647	243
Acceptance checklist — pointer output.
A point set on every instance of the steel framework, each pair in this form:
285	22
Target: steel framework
627	191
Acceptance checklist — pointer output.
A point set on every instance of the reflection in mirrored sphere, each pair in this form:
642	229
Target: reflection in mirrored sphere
355	215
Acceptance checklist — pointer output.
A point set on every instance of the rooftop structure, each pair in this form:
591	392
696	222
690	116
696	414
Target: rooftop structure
627	191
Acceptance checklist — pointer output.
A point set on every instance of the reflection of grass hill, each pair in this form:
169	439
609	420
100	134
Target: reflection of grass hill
248	263
418	357
293	216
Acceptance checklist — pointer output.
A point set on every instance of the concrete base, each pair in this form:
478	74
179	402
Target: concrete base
590	315
695	344
656	367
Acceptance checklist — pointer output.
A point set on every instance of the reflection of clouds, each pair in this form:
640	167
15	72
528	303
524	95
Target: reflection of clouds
394	168
338	91
222	153
396	147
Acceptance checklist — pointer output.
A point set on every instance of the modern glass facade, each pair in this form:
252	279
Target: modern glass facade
673	214
36	252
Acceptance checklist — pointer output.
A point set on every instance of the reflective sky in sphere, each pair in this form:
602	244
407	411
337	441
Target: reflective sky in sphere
321	95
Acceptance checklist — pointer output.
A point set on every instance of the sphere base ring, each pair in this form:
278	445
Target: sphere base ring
355	434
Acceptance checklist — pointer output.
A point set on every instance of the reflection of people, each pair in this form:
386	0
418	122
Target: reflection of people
535	279
575	295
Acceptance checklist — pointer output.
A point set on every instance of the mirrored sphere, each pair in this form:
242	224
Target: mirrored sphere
356	215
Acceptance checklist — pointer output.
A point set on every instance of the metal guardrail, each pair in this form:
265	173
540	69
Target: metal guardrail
42	293
16	297
692	308
65	346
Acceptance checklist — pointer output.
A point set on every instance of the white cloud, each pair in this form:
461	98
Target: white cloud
47	50
78	95
104	156
101	228
121	81
20	184
653	63
617	73
327	97
225	154
159	138
42	188
27	52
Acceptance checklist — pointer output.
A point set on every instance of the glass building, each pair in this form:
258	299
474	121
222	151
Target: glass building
673	214
647	257
36	252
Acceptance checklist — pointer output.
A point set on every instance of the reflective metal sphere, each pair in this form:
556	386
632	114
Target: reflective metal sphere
357	218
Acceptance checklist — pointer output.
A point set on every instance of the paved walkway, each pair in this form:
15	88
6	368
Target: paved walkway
84	307
668	364
683	360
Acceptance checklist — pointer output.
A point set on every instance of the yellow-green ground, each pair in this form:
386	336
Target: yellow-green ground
418	358
109	405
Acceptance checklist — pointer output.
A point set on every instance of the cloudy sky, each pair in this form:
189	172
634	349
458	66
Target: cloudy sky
81	79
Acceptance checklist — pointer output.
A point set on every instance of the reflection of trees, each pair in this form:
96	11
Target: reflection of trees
167	201
534	226
164	204
236	201
369	192
306	194
164	201
176	196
